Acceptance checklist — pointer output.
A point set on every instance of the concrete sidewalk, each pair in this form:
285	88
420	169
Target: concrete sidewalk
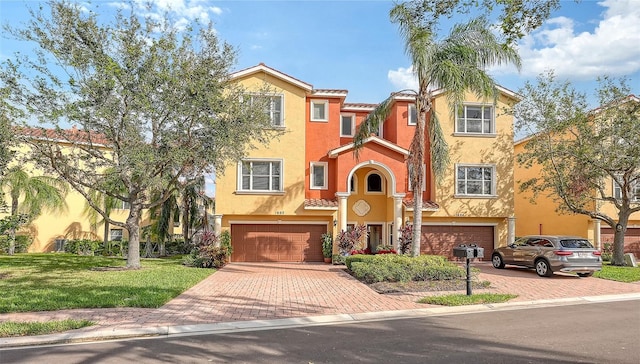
244	296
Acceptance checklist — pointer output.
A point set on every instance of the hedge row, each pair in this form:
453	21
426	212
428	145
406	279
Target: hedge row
402	268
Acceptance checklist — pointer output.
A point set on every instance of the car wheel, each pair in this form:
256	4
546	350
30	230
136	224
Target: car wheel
543	269
585	275
497	261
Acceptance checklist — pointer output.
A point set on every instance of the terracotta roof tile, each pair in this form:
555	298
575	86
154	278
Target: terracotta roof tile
320	202
426	204
66	135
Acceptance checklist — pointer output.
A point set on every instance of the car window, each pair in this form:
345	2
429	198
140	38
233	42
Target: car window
576	244
521	241
544	243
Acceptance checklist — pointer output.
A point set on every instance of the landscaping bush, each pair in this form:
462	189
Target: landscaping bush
177	247
21	246
211	251
82	246
607	252
402	268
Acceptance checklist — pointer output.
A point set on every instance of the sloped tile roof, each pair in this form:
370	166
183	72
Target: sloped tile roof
312	203
426	204
73	135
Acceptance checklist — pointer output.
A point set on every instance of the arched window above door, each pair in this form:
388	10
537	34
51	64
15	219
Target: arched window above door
374	182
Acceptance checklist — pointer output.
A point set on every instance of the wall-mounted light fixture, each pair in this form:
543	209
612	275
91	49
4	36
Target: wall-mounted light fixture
335	222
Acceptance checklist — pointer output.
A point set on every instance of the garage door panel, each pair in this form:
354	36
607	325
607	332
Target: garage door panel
277	242
631	239
441	239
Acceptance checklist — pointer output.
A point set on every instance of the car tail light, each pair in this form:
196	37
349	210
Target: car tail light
597	252
562	252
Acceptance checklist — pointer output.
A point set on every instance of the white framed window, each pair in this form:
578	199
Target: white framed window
319	110
260	175
475	119
412	115
122	205
475	180
273	107
115	234
347	125
410	174
374	183
318	175
617	191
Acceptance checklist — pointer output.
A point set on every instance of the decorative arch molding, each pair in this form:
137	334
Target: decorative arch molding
383	169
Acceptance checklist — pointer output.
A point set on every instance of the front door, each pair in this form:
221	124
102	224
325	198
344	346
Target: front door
375	237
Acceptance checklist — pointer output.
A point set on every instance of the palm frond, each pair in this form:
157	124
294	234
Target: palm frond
371	124
439	149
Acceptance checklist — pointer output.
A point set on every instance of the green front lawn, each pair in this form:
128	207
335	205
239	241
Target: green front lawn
47	282
620	274
9	329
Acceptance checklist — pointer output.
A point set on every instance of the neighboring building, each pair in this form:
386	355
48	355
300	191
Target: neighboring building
282	197
540	215
50	230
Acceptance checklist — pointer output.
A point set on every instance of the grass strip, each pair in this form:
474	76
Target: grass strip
462	299
12	329
619	274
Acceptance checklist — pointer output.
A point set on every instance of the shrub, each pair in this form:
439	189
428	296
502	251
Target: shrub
405	239
211	251
338	259
82	246
402	268
607	252
327	245
177	247
347	240
21	245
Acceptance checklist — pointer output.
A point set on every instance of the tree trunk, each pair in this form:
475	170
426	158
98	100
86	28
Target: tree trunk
12	241
133	226
618	238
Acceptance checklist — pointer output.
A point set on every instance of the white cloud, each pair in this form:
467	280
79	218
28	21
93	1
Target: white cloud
611	48
403	78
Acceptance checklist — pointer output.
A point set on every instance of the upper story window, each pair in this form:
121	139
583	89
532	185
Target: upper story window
412	117
353	184
374	182
260	176
319	110
475	119
122	205
635	190
318	175
273	107
347	125
475	180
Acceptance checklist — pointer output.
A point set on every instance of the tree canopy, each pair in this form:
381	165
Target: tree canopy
153	105
590	158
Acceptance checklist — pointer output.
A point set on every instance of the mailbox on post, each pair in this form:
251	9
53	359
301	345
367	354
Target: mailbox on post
468	252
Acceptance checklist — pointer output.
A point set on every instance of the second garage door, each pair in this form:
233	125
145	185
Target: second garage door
277	242
441	239
631	239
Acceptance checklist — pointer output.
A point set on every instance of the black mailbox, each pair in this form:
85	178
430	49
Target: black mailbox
469	252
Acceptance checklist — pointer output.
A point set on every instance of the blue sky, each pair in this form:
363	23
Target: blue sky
352	44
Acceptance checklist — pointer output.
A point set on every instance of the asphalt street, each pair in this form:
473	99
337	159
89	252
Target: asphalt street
583	333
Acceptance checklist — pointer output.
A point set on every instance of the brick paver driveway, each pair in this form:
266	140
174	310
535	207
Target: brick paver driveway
254	291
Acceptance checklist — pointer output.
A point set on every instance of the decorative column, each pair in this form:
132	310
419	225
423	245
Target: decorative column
217	224
596	233
342	210
397	218
511	230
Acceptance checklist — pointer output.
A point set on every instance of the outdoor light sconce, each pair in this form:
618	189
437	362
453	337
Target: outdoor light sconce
335	222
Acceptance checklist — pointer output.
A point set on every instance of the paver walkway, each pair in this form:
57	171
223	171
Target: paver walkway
255	291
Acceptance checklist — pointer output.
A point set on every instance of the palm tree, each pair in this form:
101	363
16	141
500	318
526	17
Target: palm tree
30	196
456	64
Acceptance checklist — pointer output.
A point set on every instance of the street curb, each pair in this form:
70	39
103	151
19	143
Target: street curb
258	325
